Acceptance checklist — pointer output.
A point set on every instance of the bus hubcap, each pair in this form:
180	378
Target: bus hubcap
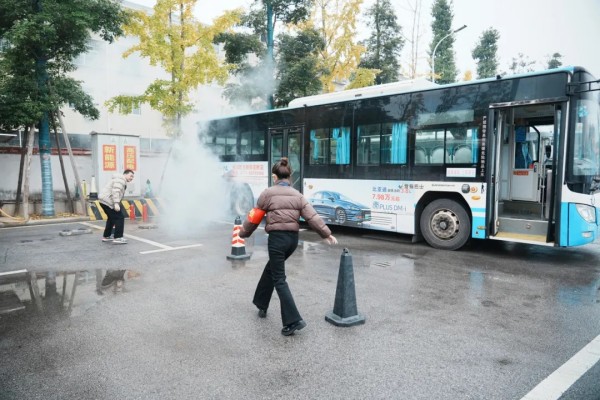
444	224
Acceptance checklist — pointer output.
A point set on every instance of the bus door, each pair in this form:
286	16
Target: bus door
286	142
520	173
497	118
524	179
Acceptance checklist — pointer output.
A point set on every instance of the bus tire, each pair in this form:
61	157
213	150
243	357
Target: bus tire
445	224
241	198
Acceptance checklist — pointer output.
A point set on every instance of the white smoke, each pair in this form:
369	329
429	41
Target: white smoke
193	188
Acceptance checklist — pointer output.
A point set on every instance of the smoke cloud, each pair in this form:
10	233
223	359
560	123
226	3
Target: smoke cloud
192	186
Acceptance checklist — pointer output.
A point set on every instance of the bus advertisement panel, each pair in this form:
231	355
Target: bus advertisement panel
392	206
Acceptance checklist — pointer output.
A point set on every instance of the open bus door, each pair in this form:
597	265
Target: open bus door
496	121
287	142
521	171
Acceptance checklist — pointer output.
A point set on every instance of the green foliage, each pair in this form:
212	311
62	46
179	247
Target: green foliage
441	25
242	50
256	79
554	61
298	66
183	47
238	46
385	43
521	64
288	11
486	53
44	38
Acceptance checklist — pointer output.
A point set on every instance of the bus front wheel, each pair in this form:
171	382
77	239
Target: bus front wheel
445	224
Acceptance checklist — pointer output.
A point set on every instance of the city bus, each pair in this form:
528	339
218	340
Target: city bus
511	158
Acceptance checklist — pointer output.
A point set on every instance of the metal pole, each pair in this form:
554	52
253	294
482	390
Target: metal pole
435	49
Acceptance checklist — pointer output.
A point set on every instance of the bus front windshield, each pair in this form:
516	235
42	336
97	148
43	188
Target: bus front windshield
584	164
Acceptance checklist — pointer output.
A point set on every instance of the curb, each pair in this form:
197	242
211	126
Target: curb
47	221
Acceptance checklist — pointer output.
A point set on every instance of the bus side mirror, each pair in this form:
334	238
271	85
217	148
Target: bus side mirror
548	150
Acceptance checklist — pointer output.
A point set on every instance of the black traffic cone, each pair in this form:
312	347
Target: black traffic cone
345	312
238	245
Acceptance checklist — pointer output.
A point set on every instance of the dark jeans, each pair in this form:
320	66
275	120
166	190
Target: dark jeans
281	245
115	219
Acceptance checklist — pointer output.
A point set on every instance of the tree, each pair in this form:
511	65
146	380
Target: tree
415	37
385	43
363	77
43	39
183	47
241	51
257	78
521	64
486	53
554	61
441	25
298	66
335	20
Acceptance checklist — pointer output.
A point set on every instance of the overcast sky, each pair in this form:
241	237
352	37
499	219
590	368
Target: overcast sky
536	28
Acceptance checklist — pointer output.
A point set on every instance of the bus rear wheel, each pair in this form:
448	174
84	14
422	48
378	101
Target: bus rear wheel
445	224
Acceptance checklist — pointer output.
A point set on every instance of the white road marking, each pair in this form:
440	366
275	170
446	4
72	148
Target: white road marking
19	271
558	382
162	247
170	249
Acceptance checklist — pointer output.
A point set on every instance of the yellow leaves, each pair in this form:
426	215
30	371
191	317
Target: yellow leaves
173	39
363	77
336	21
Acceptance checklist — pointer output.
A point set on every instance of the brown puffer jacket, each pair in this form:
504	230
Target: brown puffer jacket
284	206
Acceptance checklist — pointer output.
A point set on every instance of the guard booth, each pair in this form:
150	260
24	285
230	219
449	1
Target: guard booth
113	154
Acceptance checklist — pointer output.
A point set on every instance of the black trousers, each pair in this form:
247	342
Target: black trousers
281	245
114	218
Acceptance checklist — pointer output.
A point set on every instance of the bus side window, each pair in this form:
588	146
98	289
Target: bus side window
319	146
421	156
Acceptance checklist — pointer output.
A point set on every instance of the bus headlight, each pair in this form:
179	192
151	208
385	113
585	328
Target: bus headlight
588	213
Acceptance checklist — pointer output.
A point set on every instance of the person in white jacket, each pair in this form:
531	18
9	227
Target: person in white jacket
110	200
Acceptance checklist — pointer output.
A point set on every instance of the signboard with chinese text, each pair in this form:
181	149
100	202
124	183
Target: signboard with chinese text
112	154
109	157
130	158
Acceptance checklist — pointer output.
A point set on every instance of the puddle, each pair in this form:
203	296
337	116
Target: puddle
26	293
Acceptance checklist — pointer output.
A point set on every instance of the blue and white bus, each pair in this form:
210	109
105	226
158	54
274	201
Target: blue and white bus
512	158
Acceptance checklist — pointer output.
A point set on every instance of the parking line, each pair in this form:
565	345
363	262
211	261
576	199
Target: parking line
150	242
557	383
170	249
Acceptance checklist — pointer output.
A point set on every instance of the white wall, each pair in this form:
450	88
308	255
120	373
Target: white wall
151	167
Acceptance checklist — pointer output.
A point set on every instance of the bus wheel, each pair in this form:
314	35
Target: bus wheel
340	216
241	199
445	224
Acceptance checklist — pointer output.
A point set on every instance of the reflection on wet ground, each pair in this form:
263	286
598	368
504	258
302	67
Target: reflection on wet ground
25	294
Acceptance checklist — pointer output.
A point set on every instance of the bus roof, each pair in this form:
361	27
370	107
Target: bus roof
406	86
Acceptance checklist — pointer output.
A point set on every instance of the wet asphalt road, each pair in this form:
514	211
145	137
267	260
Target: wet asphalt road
488	322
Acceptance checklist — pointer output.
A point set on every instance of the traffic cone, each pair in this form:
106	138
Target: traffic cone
131	212
145	213
238	245
345	312
93	190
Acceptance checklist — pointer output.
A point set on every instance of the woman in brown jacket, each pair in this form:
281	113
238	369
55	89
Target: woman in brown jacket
284	206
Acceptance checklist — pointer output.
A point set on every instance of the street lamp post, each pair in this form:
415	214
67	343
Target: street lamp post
435	49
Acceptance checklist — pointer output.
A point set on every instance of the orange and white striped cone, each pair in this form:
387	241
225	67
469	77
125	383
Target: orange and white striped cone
238	245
